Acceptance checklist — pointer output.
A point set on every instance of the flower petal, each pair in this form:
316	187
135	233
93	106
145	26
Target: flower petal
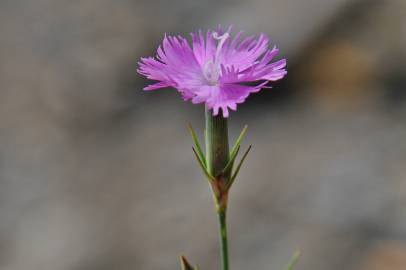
175	65
243	54
214	69
228	96
203	49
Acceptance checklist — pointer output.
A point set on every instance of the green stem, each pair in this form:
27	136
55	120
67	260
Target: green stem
217	153
217	157
223	239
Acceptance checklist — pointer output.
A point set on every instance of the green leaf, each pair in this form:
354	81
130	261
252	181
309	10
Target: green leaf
238	167
186	265
234	151
230	163
291	264
238	141
197	145
202	166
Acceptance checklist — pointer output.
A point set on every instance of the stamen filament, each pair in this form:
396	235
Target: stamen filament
211	68
221	40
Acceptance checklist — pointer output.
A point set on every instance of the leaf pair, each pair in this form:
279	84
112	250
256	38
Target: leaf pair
290	266
201	159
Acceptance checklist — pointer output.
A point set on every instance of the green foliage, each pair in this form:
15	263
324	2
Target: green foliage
293	261
230	163
196	143
229	174
290	266
203	166
237	170
227	171
238	141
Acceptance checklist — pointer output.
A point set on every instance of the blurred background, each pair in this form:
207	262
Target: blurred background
96	174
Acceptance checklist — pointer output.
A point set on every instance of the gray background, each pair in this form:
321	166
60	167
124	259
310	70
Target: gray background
97	174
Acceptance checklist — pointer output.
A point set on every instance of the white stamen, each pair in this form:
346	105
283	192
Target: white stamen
221	40
211	69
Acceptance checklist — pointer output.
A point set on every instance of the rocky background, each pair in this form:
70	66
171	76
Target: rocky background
97	175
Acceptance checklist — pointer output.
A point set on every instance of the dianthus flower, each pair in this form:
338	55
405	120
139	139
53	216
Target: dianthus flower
220	71
215	70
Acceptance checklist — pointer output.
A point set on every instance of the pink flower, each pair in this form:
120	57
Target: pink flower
214	69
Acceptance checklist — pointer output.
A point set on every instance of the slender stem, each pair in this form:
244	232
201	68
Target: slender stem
223	239
217	157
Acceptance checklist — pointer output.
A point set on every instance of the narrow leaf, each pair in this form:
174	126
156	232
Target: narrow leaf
202	166
238	167
230	163
196	143
238	141
185	264
293	261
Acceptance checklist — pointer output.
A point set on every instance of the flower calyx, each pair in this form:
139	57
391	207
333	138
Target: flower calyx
222	182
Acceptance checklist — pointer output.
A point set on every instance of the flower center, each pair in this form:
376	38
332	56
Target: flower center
211	69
